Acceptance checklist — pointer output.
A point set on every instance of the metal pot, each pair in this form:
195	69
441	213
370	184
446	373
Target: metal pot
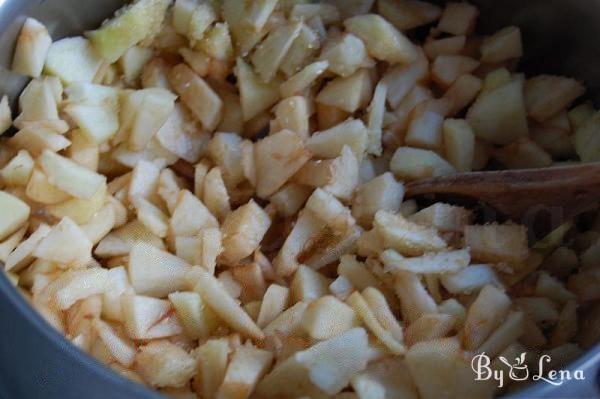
36	361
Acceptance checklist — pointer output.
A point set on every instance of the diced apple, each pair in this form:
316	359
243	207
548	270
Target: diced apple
297	83
499	115
202	100
18	170
502	45
156	273
255	96
121	348
327	317
523	154
37	103
270	54
201	19
459	141
277	157
346	54
202	249
301	52
73	60
70	177
587	139
181	15
164	364
76	284
383	40
329	143
5	115
31	49
133	61
446	69
243	230
14	213
215	295
142	315
225	150
415	163
198	320
190	215
131	24
247	366
547	95
408	14
78	209
322	370
22	255
381	193
458	18
350	93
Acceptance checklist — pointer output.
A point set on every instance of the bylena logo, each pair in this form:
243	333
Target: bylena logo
518	370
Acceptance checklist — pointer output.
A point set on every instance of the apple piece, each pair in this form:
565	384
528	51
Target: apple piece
121	348
382	39
269	55
133	61
98	123
408	14
100	224
225	150
213	357
153	112
5	115
223	304
130	25
217	44
31	49
18	170
302	80
190	215
78	209
156	273
255	95
247	366
181	16
277	158
587	139
348	94
329	143
22	255
499	115
70	177
151	216
380	193
201	99
37	102
547	95
180	136
199	21
73	60
322	370
199	321
83	151
11	242
458	19
243	230
202	249
67	245
37	140
76	284
142	315
301	52
14	213
414	163
328	317
459	141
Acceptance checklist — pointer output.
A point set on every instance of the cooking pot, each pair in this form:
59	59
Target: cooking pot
560	36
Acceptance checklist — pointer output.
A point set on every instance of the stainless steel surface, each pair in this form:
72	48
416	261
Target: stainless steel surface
560	36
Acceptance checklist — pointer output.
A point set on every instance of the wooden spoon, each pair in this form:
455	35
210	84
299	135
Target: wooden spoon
525	196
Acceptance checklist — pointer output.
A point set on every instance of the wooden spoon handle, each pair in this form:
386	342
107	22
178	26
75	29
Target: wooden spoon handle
572	189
